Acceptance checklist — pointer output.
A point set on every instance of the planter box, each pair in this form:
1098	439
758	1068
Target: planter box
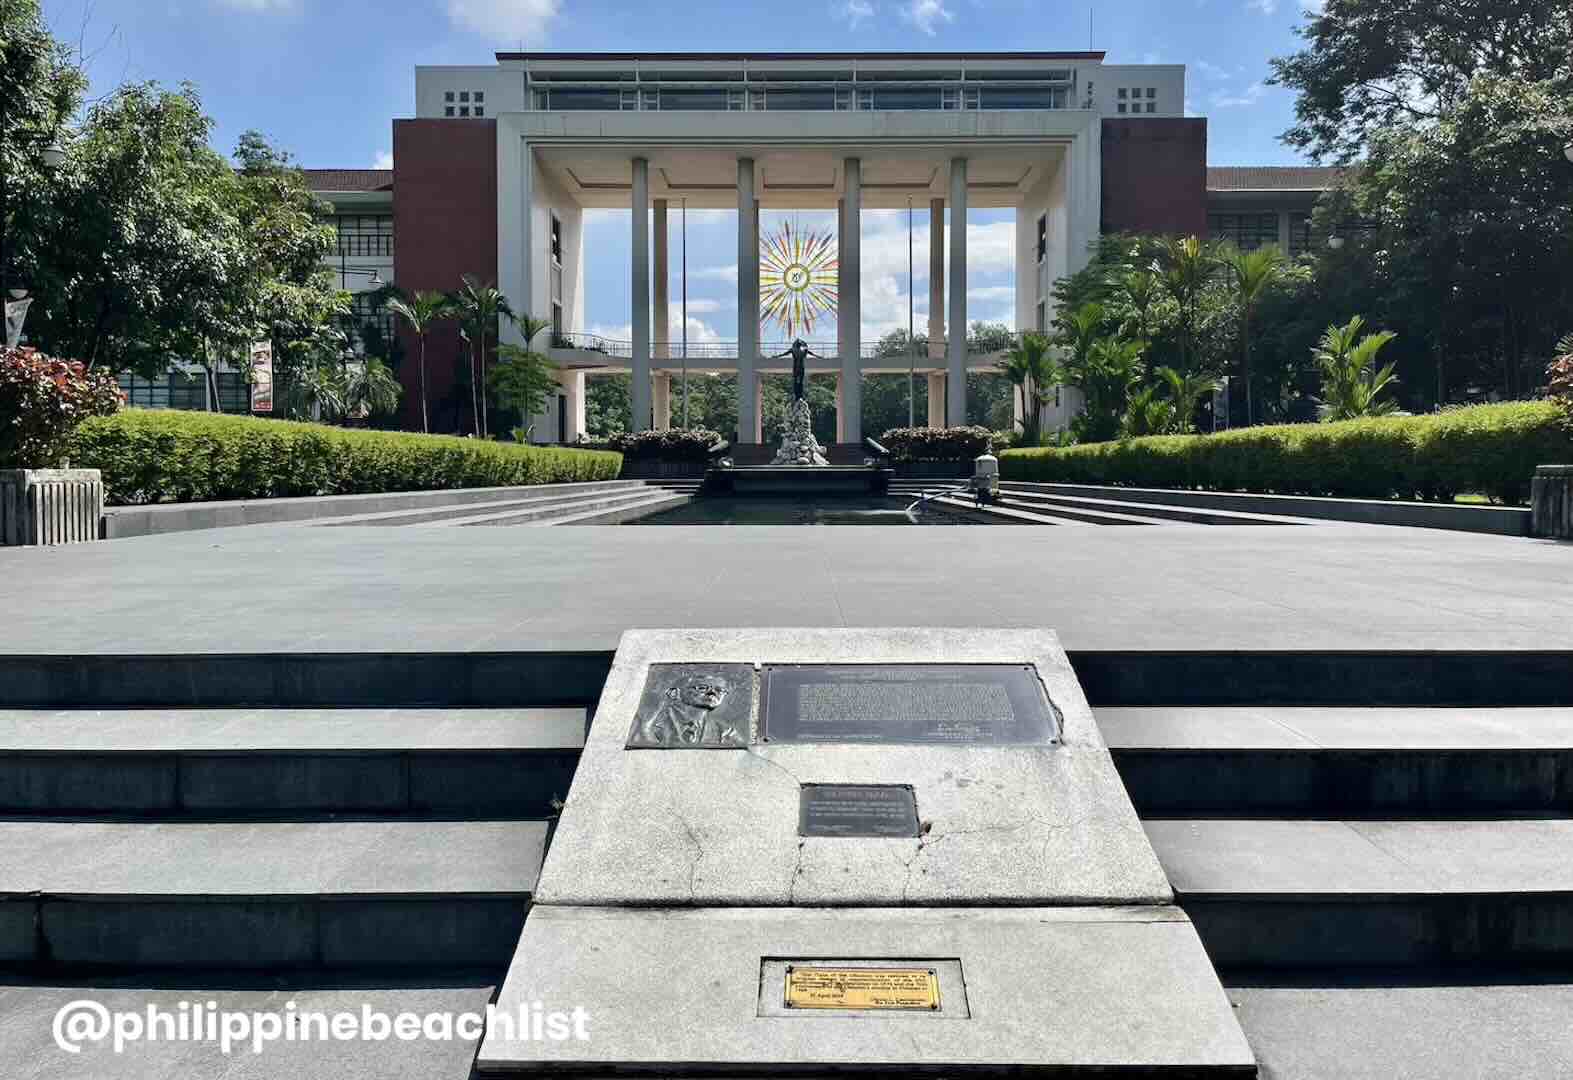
44	507
1551	500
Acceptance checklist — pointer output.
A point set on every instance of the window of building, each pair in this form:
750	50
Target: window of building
479	111
758	100
1043	316
693	100
372	322
557	318
464	95
1246	231
448	111
365	235
1124	93
1122	107
1152	92
1043	237
480	96
807	100
448	96
464	111
557	240
1152	106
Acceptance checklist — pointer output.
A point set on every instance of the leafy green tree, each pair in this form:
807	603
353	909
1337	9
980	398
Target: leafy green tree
1186	393
1351	382
521	380
1377	65
1185	267
421	312
1147	414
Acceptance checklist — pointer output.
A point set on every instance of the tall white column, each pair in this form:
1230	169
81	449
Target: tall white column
573	391
937	285
639	397
662	406
849	317
841	410
662	335
956	398
747	302
936	399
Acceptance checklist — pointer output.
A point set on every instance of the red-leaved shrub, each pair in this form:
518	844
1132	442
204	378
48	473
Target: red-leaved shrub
42	400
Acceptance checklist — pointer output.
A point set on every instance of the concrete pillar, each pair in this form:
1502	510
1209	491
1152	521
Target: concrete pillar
574	397
936	288
936	399
662	335
956	352
662	406
759	407
849	316
841	412
639	396
748	418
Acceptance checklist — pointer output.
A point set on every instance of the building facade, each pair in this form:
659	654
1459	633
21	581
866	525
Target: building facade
494	173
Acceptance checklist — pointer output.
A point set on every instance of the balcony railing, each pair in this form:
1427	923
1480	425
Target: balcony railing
665	351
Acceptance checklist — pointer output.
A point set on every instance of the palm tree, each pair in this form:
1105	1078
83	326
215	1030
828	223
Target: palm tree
370	387
1032	371
1184	266
1141	290
481	306
1186	392
1147	414
420	312
1105	374
1351	381
1254	272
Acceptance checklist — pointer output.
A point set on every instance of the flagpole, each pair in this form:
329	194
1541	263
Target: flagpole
685	314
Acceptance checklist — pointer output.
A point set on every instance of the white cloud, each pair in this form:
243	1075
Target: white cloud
509	20
1223	99
1266	7
992	295
852	12
384	160
926	14
1212	71
715	273
699	331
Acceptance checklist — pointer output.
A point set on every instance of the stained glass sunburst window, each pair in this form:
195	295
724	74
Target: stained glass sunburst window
797	278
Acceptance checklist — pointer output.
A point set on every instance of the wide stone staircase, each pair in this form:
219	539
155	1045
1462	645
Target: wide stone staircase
1376	848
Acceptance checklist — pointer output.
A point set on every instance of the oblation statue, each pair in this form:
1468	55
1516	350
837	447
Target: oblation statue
798	445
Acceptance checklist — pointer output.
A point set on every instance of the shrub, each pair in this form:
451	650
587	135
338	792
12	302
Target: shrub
678	444
937	444
150	456
42	400
1492	449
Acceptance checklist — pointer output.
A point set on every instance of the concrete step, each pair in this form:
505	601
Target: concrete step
623	512
1087	515
242	762
1344	893
1006	515
1329	762
1499	1025
520	498
28	1006
1193	515
546	513
276	895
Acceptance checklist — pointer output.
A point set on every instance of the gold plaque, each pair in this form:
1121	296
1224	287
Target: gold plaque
861	988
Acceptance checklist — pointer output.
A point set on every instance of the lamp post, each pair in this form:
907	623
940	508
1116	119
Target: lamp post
51	156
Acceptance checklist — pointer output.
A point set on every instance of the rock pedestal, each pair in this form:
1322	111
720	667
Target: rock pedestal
798	445
1552	500
43	507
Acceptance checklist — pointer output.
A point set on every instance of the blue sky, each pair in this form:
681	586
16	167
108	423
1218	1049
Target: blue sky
325	78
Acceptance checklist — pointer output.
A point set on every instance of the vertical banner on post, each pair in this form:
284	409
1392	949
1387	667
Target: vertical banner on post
15	316
262	377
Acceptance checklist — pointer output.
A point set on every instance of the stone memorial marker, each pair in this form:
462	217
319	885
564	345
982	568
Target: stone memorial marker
919	830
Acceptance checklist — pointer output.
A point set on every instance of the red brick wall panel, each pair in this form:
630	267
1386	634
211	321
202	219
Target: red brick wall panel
444	226
1155	176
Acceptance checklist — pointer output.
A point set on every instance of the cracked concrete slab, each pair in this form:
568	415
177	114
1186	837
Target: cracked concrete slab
1035	825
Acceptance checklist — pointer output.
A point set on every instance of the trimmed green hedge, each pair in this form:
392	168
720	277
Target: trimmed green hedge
1490	449
937	444
150	456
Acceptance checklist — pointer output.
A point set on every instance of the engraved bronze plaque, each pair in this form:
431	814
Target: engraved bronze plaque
857	810
695	707
989	704
861	988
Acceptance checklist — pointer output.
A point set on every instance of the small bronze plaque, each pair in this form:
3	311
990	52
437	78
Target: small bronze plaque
856	810
695	707
861	988
989	704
